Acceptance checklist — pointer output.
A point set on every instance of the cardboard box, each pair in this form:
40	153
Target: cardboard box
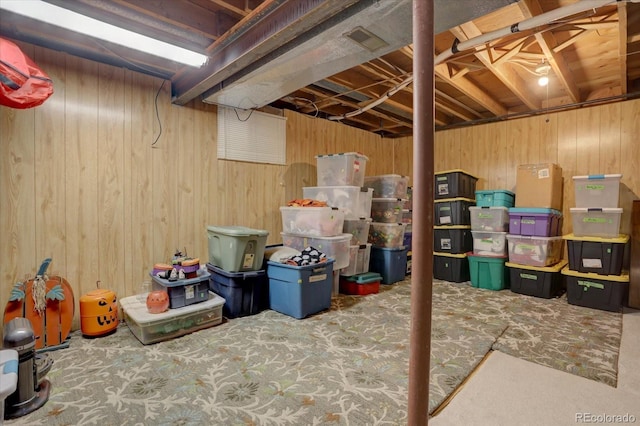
539	185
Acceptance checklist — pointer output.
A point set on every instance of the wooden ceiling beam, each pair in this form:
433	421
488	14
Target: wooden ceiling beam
547	42
472	90
505	72
622	41
231	8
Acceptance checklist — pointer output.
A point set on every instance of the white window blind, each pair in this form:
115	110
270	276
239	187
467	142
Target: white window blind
255	136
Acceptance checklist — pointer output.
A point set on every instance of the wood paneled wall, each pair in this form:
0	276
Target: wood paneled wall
107	177
601	139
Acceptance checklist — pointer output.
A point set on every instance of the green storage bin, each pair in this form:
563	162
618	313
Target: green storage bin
236	248
488	272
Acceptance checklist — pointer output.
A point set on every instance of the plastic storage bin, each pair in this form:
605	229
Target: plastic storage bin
359	257
539	281
452	211
387	210
603	256
391	263
361	284
236	248
453	184
336	247
596	222
539	222
604	292
389	235
358	228
347	168
184	292
534	251
152	328
353	201
300	291
387	186
407	241
493	219
452	239
312	221
597	190
488	272
245	293
451	267
489	243
495	198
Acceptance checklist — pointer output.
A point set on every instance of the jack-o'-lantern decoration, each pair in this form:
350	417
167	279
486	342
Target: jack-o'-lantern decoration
157	301
98	312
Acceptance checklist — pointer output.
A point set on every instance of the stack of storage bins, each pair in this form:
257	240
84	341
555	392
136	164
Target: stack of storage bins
407	217
340	185
454	194
594	276
489	225
535	228
300	291
235	265
387	231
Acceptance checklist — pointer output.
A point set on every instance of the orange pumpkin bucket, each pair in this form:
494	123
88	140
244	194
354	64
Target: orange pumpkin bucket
98	312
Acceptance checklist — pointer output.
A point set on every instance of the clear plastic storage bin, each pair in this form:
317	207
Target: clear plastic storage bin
341	169
312	221
359	228
535	251
354	201
336	247
489	243
387	210
597	190
389	235
493	219
387	186
596	222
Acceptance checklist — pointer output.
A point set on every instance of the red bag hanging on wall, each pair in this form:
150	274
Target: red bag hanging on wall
22	83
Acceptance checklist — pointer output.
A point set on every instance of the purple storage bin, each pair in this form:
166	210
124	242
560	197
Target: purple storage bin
538	222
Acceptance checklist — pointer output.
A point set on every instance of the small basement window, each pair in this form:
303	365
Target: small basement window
253	136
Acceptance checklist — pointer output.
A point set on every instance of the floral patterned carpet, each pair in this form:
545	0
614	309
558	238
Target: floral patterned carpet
346	366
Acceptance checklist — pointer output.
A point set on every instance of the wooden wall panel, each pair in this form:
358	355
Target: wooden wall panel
81	179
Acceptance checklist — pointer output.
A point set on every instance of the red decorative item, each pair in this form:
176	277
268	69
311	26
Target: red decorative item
157	301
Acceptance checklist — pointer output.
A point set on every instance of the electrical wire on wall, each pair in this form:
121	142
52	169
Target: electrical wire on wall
158	113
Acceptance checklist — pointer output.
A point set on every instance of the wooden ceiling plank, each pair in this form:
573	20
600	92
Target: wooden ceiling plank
570	41
451	110
472	90
547	42
622	41
454	101
510	53
504	73
231	8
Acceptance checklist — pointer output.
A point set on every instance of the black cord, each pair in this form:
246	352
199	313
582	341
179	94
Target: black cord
157	113
238	117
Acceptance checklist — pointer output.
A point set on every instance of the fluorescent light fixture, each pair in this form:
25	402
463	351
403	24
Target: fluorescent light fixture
65	18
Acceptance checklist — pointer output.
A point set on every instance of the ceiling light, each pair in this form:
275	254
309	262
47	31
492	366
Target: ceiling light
543	81
65	18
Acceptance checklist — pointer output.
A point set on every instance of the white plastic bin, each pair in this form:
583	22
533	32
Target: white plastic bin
312	221
354	201
346	168
596	222
336	247
597	190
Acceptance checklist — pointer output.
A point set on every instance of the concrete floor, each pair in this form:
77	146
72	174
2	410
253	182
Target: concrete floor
509	391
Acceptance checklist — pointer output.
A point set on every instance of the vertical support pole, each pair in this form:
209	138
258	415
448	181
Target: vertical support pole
422	226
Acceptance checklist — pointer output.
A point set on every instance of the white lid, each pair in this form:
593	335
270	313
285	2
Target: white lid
357	154
595	177
612	210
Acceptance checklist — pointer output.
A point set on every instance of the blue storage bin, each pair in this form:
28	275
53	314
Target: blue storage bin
495	198
245	293
300	291
184	292
389	262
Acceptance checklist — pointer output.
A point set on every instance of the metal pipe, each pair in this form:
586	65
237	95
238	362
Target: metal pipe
422	222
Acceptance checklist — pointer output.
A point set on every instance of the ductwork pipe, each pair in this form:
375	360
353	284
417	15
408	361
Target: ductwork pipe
536	21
